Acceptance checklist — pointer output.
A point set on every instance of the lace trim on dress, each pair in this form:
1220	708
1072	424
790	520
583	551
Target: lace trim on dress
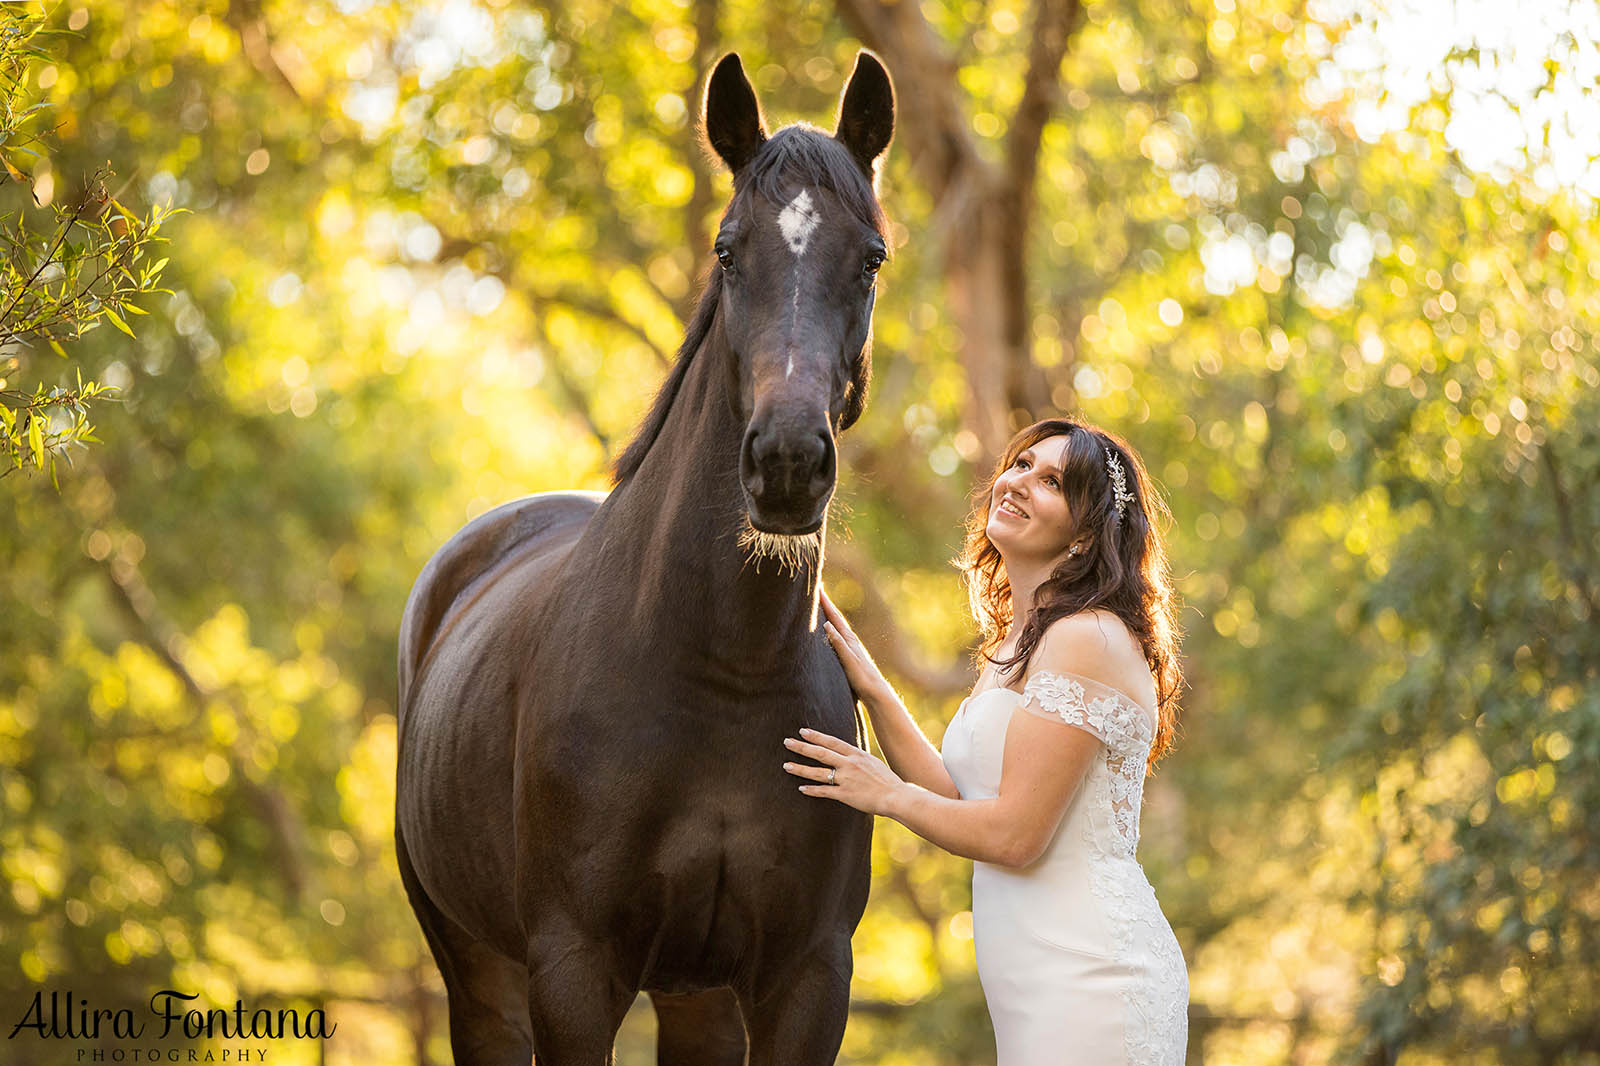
1110	716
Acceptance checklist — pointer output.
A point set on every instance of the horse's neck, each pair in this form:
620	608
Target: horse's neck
677	519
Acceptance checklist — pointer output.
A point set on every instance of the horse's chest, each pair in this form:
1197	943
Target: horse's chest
733	877
686	822
685	791
673	743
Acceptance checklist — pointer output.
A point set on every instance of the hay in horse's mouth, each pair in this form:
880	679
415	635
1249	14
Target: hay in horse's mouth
793	551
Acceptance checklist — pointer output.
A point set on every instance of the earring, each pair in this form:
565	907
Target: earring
1075	550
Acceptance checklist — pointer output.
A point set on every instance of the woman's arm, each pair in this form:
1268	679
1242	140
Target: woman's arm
1042	767
909	752
1044	763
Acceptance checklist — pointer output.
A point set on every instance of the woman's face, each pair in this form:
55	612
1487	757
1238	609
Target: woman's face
1028	516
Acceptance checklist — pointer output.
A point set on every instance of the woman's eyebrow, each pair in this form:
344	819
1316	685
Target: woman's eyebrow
1028	454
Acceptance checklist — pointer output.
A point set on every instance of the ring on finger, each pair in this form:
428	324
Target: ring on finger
833	776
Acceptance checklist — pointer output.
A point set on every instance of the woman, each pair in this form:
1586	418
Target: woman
1068	578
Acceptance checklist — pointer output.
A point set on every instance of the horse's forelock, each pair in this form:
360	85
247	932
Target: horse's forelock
799	156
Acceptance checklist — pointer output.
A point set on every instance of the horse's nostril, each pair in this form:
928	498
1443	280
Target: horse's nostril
787	467
822	474
751	463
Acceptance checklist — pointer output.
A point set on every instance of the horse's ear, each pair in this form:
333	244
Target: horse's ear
732	115
866	115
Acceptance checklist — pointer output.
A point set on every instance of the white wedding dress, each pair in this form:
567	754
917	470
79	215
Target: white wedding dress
1078	964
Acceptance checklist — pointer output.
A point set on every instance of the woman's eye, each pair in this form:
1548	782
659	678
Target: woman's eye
1052	482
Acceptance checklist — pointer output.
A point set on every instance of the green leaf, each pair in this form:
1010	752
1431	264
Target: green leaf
116	320
36	440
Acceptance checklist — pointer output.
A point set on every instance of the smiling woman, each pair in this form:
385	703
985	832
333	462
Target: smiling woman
1068	578
1089	487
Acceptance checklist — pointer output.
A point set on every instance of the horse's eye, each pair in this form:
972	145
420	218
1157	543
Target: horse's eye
874	261
725	257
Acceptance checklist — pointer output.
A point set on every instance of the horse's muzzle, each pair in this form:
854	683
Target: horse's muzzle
788	478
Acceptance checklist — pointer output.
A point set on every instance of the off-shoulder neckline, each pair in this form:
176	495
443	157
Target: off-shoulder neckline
1052	673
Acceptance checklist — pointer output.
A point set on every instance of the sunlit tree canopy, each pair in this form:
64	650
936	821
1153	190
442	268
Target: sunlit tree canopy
1332	268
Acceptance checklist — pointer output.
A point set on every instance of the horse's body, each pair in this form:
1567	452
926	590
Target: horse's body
594	690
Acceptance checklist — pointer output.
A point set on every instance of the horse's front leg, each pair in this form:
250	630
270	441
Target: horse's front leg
577	996
699	1029
796	1017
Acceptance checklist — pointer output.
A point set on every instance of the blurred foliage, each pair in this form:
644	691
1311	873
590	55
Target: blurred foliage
437	256
58	280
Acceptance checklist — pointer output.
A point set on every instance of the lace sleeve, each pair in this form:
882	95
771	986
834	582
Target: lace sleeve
1100	710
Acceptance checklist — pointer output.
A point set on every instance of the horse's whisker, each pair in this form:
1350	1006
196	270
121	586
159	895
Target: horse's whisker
794	552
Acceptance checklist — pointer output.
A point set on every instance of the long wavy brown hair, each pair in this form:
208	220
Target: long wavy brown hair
1124	568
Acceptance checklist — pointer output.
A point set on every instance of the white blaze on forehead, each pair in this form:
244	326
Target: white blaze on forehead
798	221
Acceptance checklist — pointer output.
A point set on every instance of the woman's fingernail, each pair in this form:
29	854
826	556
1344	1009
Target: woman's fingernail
787	741
805	732
788	766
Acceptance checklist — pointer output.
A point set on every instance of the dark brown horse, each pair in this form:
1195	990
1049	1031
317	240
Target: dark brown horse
594	690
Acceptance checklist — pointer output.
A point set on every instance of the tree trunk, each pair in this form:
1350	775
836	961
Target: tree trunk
983	212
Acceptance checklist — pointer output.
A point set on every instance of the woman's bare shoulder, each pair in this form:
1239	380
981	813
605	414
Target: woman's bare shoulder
1094	632
1097	645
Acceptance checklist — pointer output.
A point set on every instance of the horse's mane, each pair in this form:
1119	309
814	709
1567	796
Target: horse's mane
795	154
699	327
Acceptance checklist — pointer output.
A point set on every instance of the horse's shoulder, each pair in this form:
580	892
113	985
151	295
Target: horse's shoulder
521	518
482	549
511	529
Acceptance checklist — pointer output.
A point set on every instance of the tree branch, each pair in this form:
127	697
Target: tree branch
455	247
890	645
250	23
587	305
153	629
1054	23
706	40
571	391
157	633
1575	545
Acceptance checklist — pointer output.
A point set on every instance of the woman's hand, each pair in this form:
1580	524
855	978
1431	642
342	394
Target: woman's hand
866	681
847	774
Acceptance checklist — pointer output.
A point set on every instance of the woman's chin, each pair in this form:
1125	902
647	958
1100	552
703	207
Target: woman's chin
1001	531
1016	550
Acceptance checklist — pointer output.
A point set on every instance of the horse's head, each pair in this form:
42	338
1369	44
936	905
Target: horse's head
798	249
